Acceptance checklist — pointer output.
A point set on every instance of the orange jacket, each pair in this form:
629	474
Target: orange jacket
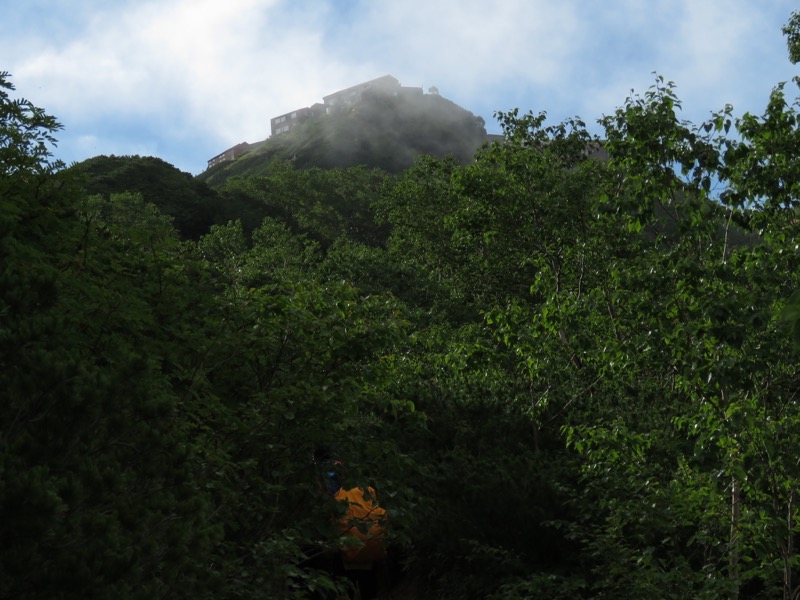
365	520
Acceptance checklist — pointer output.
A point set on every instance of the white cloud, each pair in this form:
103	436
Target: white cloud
218	63
715	52
175	70
467	45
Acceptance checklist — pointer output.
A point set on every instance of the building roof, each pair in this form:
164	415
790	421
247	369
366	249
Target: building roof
386	80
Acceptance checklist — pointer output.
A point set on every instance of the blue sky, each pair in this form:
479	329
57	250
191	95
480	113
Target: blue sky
186	79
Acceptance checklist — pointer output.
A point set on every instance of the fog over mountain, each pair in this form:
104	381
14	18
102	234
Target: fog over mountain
386	129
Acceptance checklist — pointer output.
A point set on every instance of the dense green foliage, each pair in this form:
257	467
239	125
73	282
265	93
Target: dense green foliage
568	374
193	206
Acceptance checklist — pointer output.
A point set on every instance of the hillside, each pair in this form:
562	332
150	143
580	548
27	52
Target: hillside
192	204
560	377
382	131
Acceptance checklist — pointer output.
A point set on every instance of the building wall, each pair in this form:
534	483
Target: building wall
348	96
354	94
285	123
231	154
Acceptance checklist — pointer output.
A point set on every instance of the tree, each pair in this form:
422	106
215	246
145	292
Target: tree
192	205
98	493
792	32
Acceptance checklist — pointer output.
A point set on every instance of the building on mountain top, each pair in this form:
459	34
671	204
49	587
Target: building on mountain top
354	94
347	97
285	123
343	98
232	153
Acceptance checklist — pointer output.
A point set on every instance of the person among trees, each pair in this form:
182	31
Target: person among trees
362	521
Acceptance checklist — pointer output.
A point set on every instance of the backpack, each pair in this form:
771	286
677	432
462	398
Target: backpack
365	520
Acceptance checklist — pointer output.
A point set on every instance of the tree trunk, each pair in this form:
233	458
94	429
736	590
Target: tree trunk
788	592
734	537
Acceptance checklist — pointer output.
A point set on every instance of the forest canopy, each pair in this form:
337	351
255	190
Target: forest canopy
566	373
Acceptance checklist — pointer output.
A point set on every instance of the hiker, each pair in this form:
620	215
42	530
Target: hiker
363	521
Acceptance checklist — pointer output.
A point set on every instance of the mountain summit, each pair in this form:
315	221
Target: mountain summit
378	124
